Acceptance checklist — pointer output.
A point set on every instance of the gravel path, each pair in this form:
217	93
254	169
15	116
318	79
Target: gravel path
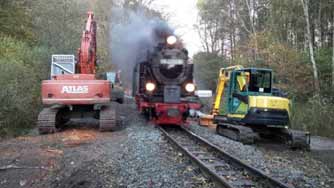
137	156
297	168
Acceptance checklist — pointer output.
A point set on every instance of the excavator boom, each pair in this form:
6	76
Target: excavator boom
87	51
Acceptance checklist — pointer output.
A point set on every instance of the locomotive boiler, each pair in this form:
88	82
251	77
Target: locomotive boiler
163	83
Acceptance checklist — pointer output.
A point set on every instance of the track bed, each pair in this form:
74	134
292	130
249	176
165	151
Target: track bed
224	169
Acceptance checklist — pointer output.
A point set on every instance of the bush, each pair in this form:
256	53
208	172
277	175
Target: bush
21	72
315	116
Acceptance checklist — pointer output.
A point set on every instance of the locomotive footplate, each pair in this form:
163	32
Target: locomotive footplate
171	114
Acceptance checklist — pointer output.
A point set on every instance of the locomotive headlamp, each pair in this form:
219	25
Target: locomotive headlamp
190	87
171	40
150	86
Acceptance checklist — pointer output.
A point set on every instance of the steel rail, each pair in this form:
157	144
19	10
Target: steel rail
209	170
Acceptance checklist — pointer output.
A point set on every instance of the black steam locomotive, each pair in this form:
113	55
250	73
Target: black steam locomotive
163	83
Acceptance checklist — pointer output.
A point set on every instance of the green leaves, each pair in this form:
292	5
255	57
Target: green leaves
21	73
16	21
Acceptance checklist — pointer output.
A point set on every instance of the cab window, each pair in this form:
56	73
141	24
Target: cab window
260	81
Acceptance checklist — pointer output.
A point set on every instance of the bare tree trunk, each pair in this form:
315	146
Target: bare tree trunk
305	4
318	25
333	52
232	29
251	12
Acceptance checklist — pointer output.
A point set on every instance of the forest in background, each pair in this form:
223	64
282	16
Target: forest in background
295	38
259	33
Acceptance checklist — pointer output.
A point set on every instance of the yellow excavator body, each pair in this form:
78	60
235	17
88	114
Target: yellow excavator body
245	107
266	103
263	102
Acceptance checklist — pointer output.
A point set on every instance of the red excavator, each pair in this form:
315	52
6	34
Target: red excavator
74	91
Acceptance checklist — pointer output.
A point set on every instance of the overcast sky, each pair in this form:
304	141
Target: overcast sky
182	16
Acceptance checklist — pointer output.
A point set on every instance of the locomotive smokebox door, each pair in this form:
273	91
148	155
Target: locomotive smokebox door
172	94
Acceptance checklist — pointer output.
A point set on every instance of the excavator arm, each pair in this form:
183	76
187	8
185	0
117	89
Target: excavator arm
219	92
224	76
87	51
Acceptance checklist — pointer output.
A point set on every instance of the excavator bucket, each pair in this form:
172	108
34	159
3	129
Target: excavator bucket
206	121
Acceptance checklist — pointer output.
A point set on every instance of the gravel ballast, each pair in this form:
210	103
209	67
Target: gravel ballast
296	168
136	156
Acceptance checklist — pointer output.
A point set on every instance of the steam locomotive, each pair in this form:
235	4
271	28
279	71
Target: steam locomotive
163	84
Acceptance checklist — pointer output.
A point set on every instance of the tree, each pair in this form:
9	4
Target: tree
305	4
242	28
15	20
212	25
207	68
59	24
333	52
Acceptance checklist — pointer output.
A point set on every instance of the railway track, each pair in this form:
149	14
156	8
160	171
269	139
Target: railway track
224	169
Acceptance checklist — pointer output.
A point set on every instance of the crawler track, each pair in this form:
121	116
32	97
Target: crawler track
224	169
108	119
47	120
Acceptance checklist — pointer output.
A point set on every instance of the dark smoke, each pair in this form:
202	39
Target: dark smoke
133	34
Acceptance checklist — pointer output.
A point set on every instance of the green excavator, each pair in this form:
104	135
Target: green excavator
246	108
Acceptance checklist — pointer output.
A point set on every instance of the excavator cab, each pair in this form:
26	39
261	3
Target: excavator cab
239	93
249	99
245	83
62	64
